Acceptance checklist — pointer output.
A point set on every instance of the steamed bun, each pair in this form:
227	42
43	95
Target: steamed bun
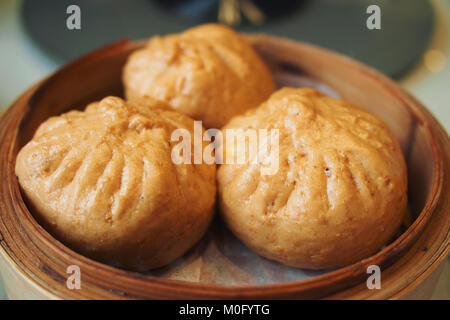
339	193
208	72
103	182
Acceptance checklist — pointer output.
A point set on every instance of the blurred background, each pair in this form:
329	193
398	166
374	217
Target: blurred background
412	46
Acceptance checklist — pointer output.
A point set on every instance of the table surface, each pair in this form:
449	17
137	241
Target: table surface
22	64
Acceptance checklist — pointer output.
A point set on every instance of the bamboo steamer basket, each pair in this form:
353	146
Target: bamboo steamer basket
33	264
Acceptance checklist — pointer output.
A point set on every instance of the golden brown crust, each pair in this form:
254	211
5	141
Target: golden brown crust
208	72
103	182
339	194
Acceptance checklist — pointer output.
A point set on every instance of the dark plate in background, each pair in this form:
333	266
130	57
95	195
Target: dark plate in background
339	25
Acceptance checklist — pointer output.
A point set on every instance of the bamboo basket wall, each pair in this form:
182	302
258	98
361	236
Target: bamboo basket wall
33	264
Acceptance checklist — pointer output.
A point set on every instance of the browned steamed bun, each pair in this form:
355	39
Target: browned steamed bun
339	193
103	182
209	72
